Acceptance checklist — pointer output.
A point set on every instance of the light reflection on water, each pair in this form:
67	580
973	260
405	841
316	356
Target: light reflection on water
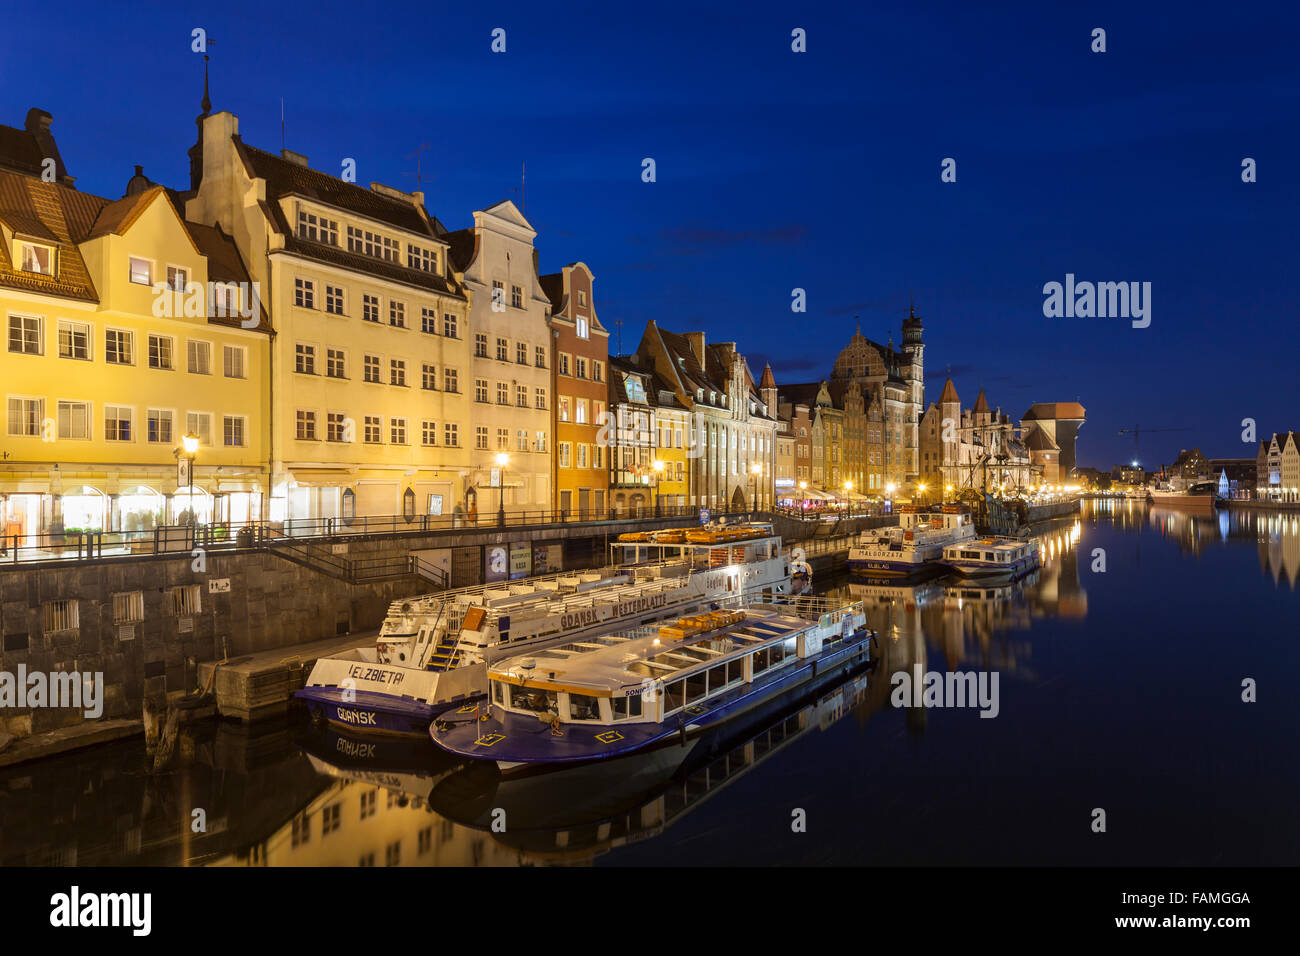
1077	649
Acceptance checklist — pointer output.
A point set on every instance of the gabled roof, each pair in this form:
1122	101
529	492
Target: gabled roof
52	213
949	393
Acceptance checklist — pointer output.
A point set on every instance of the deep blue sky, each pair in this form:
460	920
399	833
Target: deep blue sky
776	170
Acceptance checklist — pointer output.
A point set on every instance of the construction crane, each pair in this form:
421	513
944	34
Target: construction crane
1137	430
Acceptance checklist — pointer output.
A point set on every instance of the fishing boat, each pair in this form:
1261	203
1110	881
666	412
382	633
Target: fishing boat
624	692
916	545
431	652
996	558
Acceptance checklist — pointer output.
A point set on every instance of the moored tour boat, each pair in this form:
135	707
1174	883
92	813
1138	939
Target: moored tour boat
620	693
915	545
996	558
431	652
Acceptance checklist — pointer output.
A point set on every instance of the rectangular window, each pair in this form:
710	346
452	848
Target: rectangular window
429	377
128	607
159	425
449	326
177	278
396	314
597	371
61	616
564	408
429	321
117	423
480	345
74	339
74	420
198	356
480	390
335	426
232	431
333	300
306	425
449	435
503	393
25	335
233	361
564	363
426	260
141	271
304	293
521	440
565	449
371	368
481	437
371	244
580	367
370	308
541	441
25	416
503	439
521	353
449	380
539	355
541	398
396	371
373	425
503	350
397	431
160	352
304	359
184	600
521	396
199	424
317	228
583	328
581	409
335	363
582	456
428	432
517	296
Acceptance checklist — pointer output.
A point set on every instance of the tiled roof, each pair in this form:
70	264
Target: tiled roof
56	214
553	286
1047	411
949	393
19	150
224	265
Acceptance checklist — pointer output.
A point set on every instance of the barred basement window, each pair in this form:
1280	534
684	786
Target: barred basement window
184	600
128	607
60	616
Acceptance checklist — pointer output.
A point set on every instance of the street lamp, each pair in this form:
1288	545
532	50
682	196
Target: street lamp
189	451
658	467
947	491
848	492
920	489
502	460
803	500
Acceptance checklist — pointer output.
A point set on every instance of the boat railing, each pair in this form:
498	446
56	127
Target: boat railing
808	607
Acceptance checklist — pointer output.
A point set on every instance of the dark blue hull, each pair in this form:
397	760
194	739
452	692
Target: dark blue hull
369	712
518	739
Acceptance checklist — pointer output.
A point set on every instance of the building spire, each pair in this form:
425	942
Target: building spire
206	105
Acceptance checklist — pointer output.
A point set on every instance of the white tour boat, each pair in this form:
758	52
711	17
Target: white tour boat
992	558
916	544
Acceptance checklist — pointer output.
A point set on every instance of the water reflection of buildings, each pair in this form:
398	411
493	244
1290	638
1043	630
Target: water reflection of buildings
1276	536
971	622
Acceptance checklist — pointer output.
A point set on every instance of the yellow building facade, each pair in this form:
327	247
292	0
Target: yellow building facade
127	329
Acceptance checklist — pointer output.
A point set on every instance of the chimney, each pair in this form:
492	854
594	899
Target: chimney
696	339
298	159
38	124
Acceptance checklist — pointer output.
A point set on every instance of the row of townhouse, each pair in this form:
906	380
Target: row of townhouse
278	343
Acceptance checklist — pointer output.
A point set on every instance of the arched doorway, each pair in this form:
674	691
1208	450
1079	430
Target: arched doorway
737	500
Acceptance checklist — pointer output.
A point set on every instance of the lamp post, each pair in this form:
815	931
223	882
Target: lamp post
190	451
658	467
502	460
803	502
920	489
848	503
889	495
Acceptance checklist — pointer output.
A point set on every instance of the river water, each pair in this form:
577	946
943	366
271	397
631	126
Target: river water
1119	669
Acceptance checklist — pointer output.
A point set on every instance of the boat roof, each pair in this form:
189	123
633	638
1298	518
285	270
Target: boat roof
625	659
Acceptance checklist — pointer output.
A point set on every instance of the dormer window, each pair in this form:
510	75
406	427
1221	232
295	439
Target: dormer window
426	260
317	228
36	258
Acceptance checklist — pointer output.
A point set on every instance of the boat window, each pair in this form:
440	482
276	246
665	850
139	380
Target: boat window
717	677
672	696
582	707
791	646
736	670
695	688
499	693
761	660
535	701
625	707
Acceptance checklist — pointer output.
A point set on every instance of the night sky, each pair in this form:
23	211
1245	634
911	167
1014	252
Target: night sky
778	170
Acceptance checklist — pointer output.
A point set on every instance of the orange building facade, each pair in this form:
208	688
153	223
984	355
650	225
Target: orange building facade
581	376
